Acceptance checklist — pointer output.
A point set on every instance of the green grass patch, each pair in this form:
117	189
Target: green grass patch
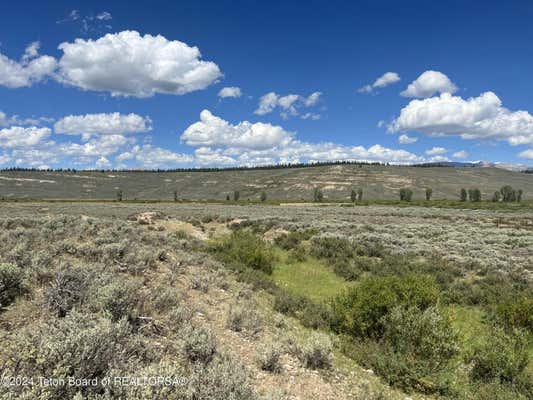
310	278
469	322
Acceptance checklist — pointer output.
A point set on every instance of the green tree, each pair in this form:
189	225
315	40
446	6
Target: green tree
429	193
353	196
519	194
236	195
463	195
119	194
228	198
496	197
263	196
175	195
318	196
406	194
474	194
508	193
360	194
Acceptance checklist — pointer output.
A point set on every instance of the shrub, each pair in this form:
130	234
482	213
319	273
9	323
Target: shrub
496	391
350	270
76	346
10	284
243	318
243	249
179	316
286	302
406	194
268	357
332	248
164	298
398	371
429	193
263	196
118	298
500	357
517	312
140	259
298	254
315	351
236	195
292	240
353	196
425	339
67	290
315	315
257	279
19	254
200	283
360	309
199	344
224	378
167	369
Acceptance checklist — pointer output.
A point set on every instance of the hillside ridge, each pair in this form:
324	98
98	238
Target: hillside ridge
336	182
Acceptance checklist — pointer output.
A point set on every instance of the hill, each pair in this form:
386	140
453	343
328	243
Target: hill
336	181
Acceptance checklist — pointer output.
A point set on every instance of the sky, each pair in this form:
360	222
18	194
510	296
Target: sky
179	84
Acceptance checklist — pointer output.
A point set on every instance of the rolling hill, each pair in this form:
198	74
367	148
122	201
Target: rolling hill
336	182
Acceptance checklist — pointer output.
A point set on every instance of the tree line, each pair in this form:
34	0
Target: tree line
506	194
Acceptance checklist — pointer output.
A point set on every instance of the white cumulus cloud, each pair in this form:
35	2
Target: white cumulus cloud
30	69
102	124
5	158
436	151
481	117
404	139
102	163
222	143
230	91
214	131
18	136
128	64
267	103
148	156
429	83
289	105
460	154
96	147
526	154
388	78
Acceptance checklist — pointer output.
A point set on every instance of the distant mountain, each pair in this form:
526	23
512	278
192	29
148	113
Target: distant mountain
513	167
453	164
479	164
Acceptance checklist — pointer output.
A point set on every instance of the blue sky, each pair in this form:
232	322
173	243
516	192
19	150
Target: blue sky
127	88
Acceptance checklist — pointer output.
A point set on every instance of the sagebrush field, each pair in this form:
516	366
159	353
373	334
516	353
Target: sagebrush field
267	302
